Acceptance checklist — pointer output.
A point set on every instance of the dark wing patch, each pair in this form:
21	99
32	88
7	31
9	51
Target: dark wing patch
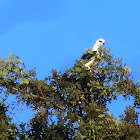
87	56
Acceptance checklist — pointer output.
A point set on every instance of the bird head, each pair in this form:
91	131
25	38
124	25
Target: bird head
100	41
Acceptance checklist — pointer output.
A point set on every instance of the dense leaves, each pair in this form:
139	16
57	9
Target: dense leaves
72	105
129	128
7	129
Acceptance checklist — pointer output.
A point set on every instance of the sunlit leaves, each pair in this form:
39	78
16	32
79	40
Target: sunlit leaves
76	98
24	81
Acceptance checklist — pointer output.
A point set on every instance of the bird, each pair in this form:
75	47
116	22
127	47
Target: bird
87	57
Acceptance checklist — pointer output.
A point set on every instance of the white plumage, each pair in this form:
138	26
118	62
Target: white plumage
95	48
97	44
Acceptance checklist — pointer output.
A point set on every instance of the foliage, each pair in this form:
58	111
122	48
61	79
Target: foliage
7	130
77	99
129	128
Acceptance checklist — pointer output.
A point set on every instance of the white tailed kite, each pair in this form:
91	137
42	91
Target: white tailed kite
87	57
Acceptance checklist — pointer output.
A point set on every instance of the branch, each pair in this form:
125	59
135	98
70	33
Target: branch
37	96
60	107
39	88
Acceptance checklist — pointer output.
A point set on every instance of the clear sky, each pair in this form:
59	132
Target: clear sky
50	34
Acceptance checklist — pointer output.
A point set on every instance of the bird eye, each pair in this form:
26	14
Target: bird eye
100	41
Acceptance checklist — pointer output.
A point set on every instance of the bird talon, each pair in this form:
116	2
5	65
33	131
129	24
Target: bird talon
91	70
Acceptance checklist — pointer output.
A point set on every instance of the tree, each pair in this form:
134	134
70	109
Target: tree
77	98
129	128
7	129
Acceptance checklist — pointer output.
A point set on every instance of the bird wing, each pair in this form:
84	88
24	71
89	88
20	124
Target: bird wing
86	57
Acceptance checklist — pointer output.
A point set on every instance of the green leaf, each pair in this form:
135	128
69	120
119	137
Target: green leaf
17	69
8	59
24	81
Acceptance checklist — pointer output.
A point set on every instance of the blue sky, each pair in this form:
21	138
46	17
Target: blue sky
50	34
